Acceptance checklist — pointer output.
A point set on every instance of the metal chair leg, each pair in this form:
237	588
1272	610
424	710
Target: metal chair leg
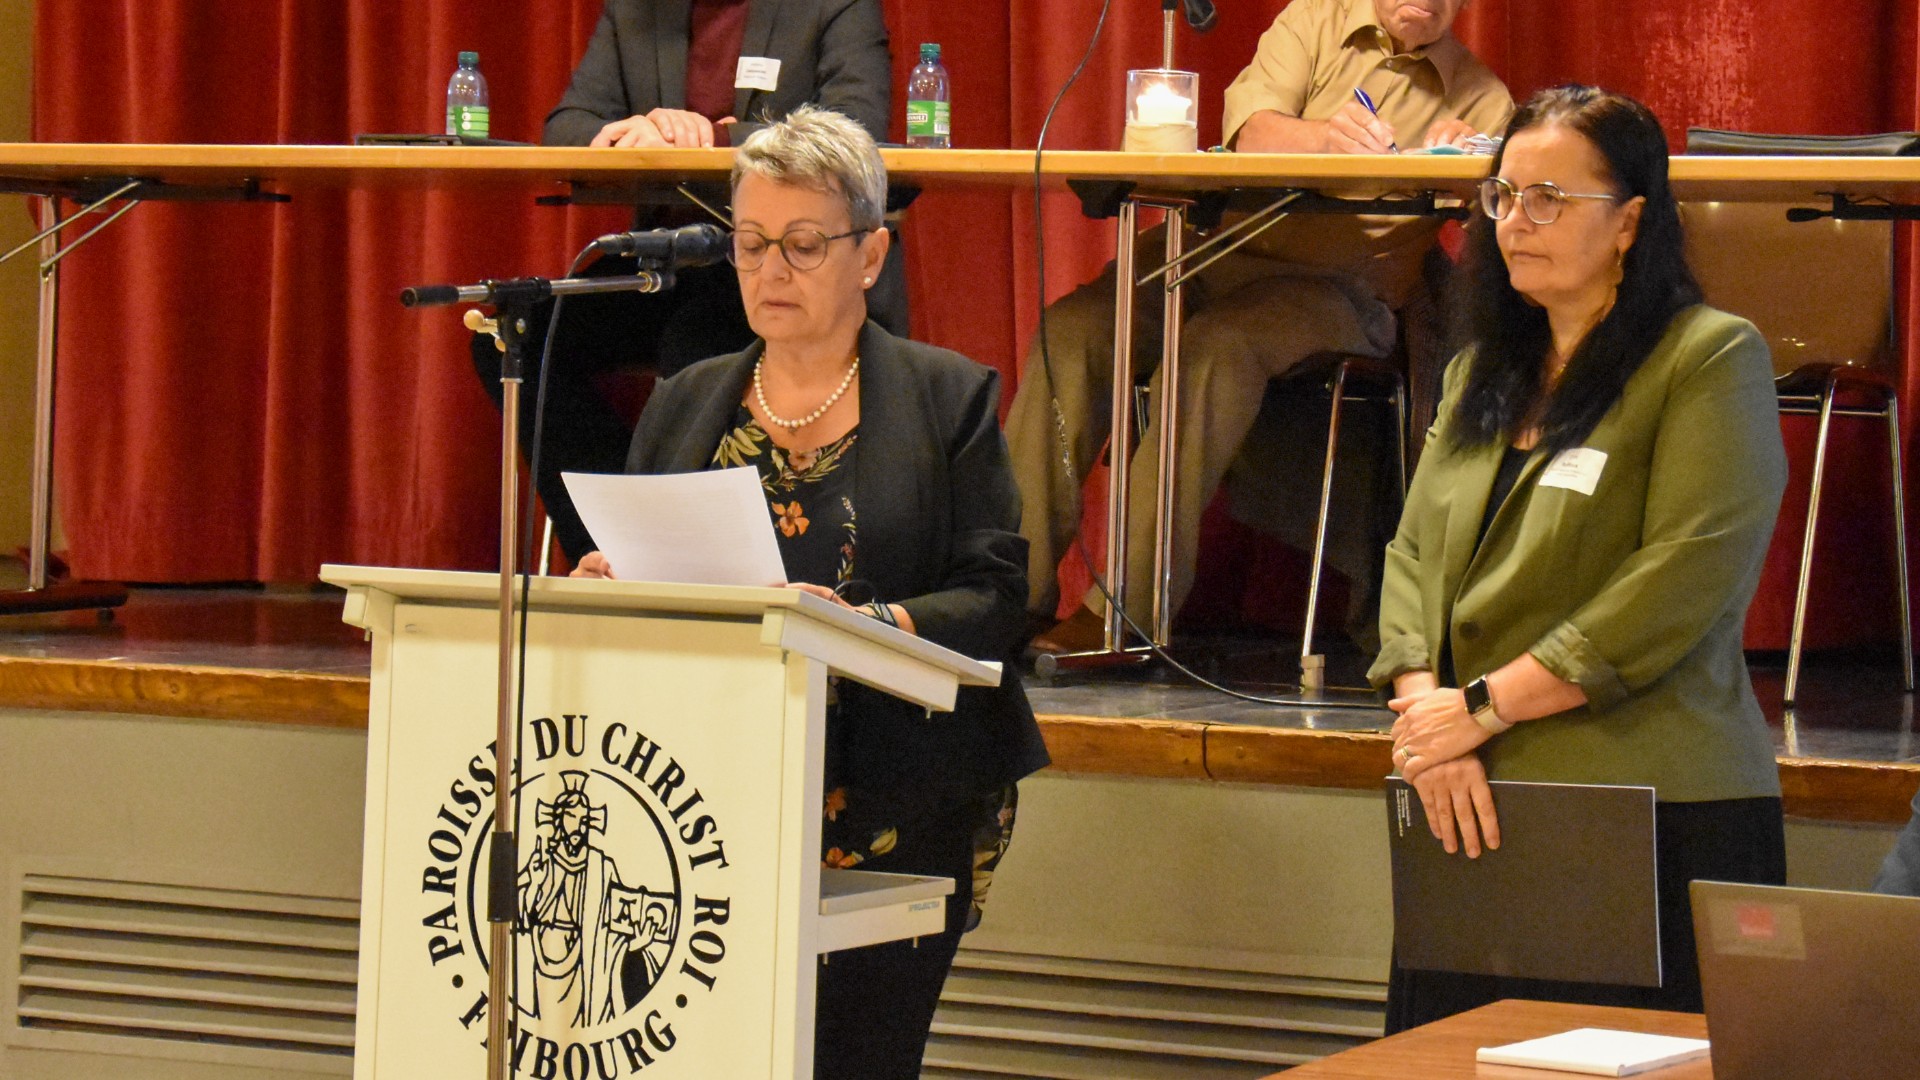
1806	547
1312	669
1900	540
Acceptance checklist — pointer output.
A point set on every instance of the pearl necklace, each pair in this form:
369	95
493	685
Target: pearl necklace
760	395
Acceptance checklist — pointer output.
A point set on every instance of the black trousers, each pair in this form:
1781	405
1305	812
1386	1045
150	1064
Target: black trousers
701	316
1741	840
873	1006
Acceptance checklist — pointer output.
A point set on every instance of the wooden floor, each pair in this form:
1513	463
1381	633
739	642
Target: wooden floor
1850	751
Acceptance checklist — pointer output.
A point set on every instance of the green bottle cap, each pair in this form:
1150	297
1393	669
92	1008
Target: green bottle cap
469	59
929	51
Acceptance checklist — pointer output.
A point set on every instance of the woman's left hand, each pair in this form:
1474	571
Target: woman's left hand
822	592
1459	806
1434	727
901	618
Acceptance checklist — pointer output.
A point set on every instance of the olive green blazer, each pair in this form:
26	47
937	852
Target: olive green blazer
1637	592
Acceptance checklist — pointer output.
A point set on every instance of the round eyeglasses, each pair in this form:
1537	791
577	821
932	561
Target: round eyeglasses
804	249
1541	202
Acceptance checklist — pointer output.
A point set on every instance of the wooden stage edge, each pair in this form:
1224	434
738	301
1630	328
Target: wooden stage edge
1855	791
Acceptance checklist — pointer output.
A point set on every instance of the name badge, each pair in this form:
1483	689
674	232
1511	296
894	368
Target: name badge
757	73
1576	470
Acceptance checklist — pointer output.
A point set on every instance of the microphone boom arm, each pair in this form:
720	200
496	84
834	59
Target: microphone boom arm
532	290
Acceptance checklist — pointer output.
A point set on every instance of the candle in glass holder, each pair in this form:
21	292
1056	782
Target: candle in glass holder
1161	118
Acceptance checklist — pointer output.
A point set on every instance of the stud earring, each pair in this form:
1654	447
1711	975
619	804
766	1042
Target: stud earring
866	281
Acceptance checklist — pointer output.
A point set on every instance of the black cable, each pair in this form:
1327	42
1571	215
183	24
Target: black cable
1059	414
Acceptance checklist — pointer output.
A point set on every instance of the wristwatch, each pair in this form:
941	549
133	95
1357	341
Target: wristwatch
1480	706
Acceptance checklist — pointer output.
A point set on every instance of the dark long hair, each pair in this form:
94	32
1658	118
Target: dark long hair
1510	336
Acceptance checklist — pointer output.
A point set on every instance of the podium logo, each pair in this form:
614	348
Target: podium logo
621	900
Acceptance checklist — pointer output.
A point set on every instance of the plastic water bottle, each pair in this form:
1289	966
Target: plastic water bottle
467	113
927	94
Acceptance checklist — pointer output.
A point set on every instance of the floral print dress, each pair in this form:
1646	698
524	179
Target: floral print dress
810	498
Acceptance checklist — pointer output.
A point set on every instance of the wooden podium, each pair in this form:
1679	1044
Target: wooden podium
671	901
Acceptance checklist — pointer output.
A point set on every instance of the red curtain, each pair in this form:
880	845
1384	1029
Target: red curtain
241	397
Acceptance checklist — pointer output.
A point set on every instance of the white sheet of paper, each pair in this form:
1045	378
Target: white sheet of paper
702	528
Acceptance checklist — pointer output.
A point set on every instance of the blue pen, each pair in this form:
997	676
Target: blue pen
1367	104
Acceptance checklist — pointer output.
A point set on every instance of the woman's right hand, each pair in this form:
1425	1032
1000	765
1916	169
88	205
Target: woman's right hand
594	565
1459	805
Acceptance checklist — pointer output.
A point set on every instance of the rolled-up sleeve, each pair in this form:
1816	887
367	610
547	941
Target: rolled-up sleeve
1403	644
1278	78
1403	638
1715	480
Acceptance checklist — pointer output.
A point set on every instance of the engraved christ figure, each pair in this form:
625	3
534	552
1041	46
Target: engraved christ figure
573	926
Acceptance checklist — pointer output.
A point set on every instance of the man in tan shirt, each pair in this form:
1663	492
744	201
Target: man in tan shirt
1311	284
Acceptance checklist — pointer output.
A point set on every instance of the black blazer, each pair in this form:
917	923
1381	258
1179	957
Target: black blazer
939	520
832	53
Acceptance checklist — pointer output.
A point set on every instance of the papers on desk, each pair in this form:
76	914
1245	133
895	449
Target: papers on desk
1596	1052
701	528
1481	145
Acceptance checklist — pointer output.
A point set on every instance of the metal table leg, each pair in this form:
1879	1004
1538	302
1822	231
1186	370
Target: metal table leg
1169	406
1120	442
40	595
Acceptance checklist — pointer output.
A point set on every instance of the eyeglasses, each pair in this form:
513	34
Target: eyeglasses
1541	202
804	249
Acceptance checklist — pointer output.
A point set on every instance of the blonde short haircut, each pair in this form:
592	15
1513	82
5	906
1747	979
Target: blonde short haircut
822	151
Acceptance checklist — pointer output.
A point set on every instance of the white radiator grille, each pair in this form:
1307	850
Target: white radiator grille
212	967
1005	1014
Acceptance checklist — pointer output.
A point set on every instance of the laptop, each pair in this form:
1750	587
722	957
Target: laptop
1809	983
1570	895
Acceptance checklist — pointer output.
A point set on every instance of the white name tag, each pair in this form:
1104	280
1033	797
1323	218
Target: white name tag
1576	470
757	73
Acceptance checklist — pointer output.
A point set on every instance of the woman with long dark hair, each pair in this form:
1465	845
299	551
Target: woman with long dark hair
1565	597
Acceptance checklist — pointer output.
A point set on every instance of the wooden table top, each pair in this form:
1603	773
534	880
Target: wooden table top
1444	1050
290	169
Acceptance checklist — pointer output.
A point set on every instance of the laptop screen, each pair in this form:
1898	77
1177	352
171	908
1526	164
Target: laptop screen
1808	983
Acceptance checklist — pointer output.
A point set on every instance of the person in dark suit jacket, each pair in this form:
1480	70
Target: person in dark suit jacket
888	481
632	86
683	73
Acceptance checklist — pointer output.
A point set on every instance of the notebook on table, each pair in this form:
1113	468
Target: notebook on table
1596	1052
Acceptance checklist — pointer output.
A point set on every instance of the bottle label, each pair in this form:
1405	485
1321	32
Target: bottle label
471	121
927	119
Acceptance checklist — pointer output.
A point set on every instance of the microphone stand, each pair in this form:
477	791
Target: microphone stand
513	302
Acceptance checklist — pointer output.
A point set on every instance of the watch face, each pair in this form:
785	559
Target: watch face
1477	696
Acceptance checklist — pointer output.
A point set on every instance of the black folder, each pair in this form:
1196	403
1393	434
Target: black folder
1570	895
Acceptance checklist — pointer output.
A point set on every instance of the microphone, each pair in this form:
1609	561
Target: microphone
1201	15
689	245
531	290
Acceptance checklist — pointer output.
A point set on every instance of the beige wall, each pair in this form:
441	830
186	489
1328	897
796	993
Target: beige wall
18	298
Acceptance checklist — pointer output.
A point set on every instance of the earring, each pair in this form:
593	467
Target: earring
866	281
